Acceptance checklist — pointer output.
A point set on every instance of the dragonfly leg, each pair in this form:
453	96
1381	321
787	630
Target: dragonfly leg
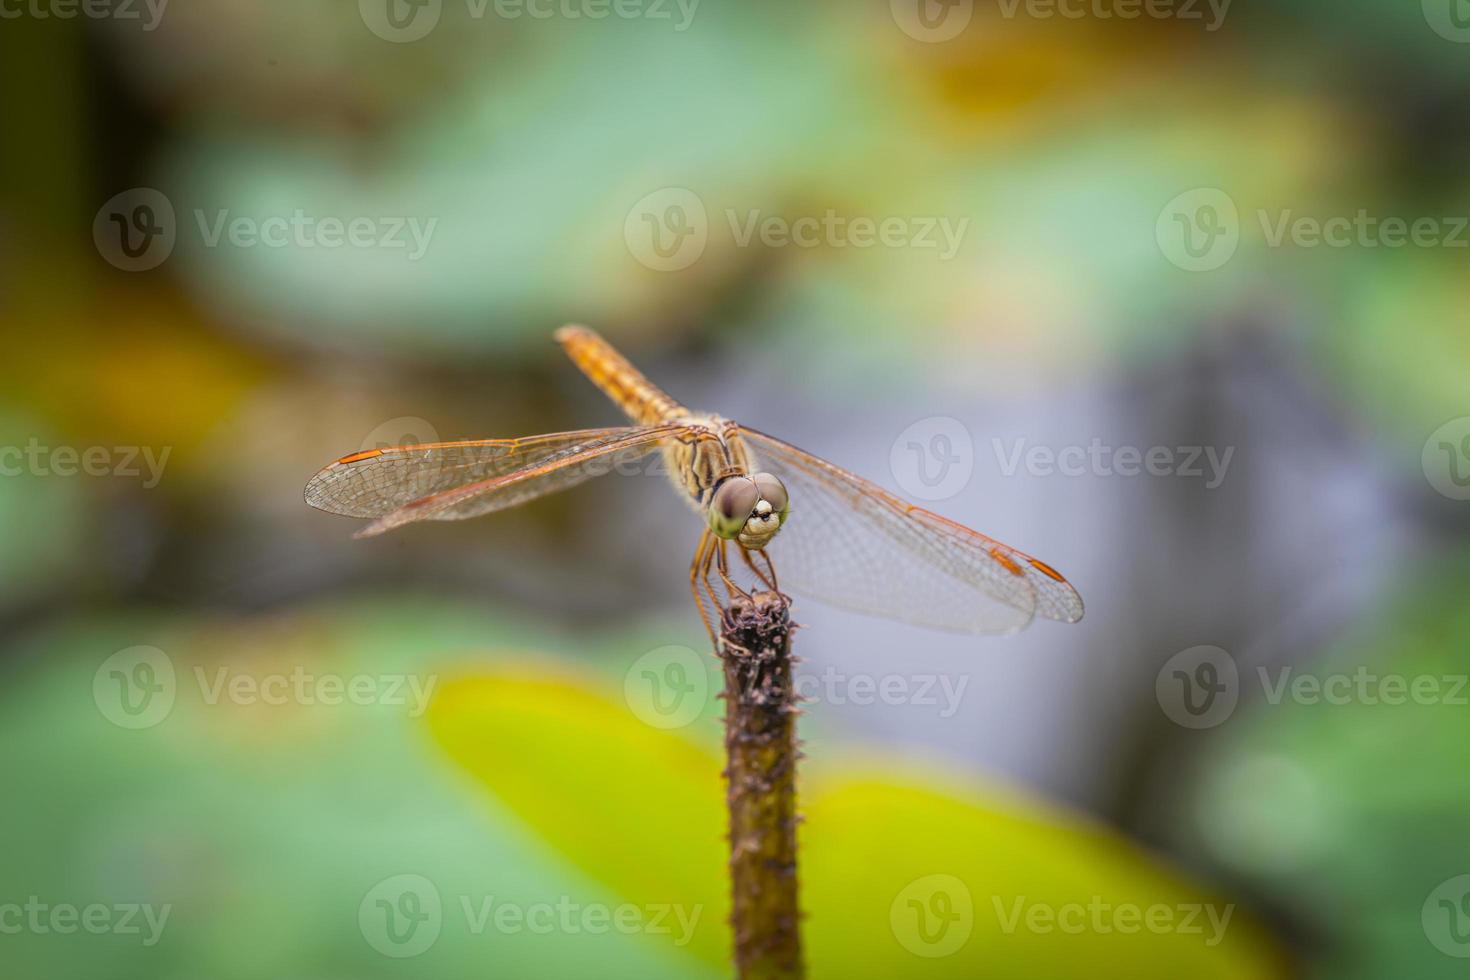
716	550
696	567
732	588
771	568
705	569
769	581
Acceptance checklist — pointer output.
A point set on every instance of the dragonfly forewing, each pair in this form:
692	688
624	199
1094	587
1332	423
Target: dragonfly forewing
454	481
850	543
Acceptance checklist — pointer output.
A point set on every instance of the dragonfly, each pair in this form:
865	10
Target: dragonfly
837	538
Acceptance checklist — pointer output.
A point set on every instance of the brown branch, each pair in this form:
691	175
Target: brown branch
760	746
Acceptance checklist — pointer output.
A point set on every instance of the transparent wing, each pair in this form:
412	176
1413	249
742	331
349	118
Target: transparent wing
455	480
377	481
852	544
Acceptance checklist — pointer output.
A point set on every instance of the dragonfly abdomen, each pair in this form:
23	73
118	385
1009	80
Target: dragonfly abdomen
642	400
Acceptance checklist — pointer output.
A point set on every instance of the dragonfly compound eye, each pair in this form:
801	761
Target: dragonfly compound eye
773	492
732	504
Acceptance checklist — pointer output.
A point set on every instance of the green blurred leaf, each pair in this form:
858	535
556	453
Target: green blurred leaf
640	809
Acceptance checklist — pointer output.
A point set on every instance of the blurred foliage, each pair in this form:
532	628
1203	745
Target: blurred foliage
43	522
1352	814
263	826
632	805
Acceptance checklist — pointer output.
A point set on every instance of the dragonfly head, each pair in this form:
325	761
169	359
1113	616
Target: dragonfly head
748	509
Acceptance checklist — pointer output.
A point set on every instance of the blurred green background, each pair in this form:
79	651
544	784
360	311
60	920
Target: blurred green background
992	255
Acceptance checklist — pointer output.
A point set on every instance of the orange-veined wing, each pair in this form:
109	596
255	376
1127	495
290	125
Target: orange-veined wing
451	481
852	544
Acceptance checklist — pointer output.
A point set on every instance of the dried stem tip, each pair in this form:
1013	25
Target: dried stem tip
760	743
